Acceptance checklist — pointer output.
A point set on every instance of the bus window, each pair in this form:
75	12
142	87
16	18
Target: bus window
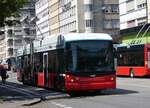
131	57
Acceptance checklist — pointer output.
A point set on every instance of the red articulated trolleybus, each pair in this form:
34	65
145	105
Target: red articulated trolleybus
69	62
133	60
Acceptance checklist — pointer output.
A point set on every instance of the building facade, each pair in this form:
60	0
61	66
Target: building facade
19	30
135	21
134	13
2	46
42	14
81	16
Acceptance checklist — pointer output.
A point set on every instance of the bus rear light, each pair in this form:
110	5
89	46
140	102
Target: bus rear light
112	78
72	80
67	76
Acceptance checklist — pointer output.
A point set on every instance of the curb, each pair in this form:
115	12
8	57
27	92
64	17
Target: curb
29	103
45	98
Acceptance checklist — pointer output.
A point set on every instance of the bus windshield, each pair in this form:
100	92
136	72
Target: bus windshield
90	56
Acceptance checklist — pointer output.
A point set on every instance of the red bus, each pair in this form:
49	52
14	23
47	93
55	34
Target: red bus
69	62
133	60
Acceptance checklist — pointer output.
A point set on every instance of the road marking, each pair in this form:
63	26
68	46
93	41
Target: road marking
135	85
60	105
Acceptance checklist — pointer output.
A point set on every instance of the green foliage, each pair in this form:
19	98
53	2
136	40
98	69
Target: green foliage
9	8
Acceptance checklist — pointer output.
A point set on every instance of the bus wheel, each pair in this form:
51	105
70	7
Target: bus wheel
73	94
131	73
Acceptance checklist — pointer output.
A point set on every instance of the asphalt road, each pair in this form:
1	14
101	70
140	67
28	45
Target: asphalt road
130	93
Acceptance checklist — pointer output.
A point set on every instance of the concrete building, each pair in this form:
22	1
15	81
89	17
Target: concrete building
134	13
42	14
2	46
81	16
135	21
19	30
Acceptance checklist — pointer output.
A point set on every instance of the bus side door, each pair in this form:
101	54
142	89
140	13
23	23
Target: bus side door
45	69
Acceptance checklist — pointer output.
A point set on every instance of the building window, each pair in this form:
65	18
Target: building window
111	8
115	23
88	7
111	24
141	21
131	23
130	5
107	24
89	23
115	8
141	5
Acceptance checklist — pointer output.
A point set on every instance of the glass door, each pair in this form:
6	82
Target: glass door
45	69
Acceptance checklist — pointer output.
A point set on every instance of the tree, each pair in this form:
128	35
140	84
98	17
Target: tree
9	8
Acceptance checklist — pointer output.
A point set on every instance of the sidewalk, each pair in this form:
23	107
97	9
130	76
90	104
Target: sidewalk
15	95
13	99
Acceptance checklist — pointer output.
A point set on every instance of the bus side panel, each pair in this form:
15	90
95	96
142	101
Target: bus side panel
147	61
74	83
51	80
40	79
122	70
125	71
148	72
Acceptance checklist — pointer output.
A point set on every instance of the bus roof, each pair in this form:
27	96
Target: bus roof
130	47
86	36
57	40
81	36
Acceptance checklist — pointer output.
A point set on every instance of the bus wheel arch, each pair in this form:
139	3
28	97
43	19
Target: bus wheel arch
131	72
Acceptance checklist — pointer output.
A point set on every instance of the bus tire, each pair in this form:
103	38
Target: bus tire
131	73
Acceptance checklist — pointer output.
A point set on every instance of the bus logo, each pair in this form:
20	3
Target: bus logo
92	75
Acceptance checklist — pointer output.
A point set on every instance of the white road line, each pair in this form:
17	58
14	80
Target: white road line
138	85
60	105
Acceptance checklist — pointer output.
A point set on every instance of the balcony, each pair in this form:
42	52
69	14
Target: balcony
18	34
12	19
28	37
17	47
9	47
2	37
8	37
17	27
8	27
25	26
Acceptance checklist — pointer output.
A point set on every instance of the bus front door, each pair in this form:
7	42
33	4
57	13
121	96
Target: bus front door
45	69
